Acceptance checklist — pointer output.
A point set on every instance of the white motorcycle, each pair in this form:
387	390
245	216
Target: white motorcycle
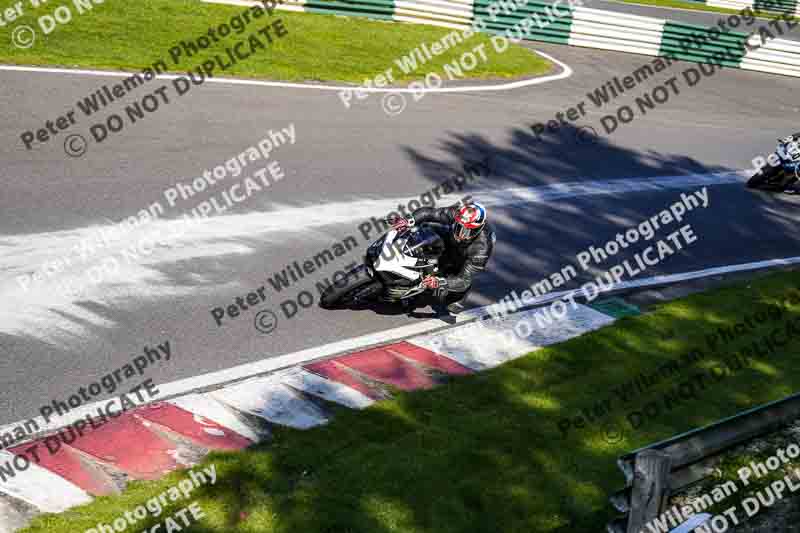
781	169
393	269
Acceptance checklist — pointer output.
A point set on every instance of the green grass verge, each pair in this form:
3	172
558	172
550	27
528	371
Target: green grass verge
484	452
697	6
727	471
131	35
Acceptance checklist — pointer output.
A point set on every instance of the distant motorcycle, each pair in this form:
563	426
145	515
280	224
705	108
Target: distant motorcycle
393	269
781	169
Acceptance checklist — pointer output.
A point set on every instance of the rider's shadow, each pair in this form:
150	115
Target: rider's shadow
426	306
436	309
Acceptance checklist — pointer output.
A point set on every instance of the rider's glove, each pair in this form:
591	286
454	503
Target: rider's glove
399	223
432	282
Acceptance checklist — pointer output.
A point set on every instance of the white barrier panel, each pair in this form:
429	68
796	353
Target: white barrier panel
589	28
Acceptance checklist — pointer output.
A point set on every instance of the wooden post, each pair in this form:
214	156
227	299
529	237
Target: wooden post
650	488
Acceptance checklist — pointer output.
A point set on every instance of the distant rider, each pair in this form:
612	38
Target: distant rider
792	151
469	242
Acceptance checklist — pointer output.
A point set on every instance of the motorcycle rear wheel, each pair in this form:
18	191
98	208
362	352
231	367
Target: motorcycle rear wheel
357	288
767	178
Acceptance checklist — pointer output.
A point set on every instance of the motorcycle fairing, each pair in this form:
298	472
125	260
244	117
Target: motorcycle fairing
398	263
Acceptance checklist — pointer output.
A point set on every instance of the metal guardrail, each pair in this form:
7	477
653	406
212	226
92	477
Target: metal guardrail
654	472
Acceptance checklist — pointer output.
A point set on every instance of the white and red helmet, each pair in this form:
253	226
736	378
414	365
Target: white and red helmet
469	222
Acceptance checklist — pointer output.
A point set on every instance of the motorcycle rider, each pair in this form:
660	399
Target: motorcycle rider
779	171
469	242
792	150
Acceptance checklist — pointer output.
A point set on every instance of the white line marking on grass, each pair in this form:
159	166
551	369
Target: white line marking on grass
566	72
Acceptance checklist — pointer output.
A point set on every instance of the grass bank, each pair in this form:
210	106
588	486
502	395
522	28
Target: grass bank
493	451
119	34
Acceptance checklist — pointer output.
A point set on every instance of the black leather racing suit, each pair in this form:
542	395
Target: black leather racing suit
461	261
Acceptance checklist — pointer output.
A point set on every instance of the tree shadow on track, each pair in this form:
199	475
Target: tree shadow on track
539	238
568	154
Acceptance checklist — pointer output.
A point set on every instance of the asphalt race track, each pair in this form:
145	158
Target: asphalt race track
343	168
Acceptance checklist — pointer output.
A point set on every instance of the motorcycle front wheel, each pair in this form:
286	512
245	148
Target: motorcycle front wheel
357	288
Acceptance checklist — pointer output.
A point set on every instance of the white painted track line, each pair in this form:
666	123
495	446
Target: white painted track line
665	279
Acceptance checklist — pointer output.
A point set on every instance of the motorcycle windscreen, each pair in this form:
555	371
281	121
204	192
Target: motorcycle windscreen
394	260
424	244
